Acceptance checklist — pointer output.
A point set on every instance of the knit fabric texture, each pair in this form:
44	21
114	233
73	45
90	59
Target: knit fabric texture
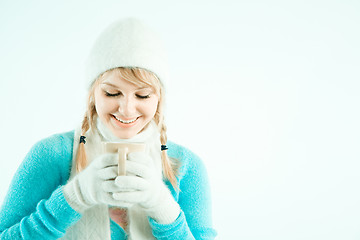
127	43
94	224
35	207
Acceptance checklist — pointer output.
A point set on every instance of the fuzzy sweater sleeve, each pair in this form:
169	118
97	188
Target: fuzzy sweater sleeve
35	207
194	198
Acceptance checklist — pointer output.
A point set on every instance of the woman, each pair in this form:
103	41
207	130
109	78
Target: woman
68	188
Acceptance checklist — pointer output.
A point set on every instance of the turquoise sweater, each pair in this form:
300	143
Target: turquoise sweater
35	207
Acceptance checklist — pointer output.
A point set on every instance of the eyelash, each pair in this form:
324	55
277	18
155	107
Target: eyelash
117	94
143	97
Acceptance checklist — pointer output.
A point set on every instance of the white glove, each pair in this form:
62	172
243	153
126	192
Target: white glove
145	187
94	185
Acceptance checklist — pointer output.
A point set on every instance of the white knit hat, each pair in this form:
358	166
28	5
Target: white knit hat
127	43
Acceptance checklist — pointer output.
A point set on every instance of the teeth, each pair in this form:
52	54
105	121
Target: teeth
123	121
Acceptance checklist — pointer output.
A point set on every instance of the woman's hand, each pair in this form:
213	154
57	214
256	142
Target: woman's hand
144	186
94	185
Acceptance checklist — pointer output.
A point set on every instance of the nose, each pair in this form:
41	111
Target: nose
127	106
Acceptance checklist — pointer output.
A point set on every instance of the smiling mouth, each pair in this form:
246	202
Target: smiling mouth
126	121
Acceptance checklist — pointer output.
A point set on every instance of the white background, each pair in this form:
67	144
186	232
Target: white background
265	92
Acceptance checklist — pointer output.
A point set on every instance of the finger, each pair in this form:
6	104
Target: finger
130	197
138	169
108	160
140	157
109	200
107	173
134	183
109	186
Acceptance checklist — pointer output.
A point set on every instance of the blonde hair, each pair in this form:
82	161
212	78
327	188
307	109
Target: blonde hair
140	77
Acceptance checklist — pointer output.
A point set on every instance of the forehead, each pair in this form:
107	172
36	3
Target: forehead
116	77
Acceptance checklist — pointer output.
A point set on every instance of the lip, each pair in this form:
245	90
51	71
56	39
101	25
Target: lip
124	125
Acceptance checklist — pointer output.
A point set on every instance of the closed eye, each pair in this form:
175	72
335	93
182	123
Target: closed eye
108	94
112	94
142	96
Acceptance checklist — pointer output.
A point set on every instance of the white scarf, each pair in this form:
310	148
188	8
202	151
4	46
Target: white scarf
95	222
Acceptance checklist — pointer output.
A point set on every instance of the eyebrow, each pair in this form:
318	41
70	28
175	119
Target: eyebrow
114	86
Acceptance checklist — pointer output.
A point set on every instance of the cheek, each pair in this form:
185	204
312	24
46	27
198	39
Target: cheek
152	107
102	105
98	107
98	103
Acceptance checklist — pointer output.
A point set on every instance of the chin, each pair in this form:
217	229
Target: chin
124	135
